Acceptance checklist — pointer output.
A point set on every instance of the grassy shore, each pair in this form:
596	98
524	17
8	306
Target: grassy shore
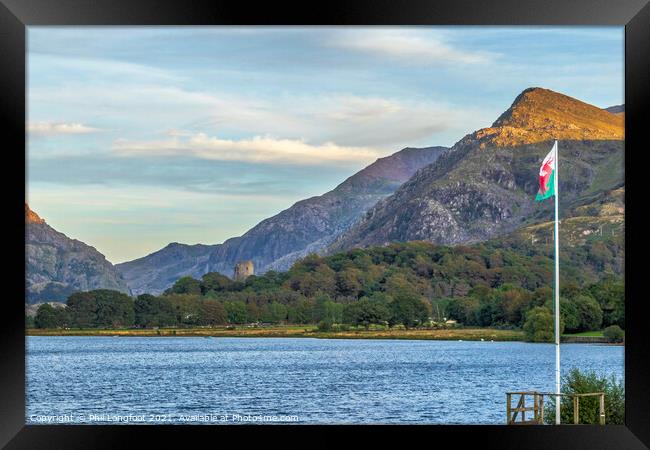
586	334
309	331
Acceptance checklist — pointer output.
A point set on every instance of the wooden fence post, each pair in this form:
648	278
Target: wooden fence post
508	399
602	409
576	410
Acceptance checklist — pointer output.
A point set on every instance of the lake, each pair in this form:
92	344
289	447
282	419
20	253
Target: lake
101	380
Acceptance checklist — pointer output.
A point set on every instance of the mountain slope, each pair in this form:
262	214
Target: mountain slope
275	243
617	109
485	185
56	265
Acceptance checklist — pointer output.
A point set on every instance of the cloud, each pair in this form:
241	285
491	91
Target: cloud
350	120
258	149
57	128
410	46
99	68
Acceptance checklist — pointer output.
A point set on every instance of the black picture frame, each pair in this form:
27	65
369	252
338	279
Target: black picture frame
15	15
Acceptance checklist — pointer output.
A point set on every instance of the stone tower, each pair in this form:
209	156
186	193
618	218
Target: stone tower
244	269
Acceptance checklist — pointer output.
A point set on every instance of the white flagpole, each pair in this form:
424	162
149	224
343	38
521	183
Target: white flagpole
557	291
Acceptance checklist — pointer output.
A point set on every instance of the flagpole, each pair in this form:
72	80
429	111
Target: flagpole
557	291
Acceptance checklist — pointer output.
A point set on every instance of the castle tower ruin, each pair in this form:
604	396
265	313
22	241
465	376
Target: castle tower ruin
243	270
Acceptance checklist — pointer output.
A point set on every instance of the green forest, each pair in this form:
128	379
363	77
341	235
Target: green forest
503	284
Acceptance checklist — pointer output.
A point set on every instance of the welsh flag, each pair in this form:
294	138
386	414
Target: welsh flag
547	175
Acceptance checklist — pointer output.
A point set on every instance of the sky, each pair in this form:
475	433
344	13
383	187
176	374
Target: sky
142	136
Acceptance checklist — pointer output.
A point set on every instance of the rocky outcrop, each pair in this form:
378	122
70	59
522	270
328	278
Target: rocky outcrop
275	243
56	265
485	185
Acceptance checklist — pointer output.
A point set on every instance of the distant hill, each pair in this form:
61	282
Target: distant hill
485	185
56	265
618	109
275	243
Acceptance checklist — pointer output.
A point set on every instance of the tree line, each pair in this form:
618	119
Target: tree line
494	284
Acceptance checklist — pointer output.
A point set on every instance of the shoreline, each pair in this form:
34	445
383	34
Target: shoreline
306	331
310	331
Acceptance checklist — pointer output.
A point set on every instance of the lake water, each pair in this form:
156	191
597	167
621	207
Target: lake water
254	380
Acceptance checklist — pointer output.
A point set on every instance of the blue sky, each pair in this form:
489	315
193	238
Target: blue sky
141	136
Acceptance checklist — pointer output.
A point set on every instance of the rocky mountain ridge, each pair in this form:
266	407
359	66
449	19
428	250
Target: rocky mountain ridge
275	243
485	185
57	265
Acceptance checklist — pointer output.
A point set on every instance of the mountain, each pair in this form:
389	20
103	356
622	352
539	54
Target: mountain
485	185
56	265
618	109
275	243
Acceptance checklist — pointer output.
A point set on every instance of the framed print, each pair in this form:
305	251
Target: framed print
371	218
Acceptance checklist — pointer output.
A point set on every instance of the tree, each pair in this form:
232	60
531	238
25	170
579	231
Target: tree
277	312
302	312
45	316
312	275
365	312
153	311
333	312
577	382
82	308
326	309
186	285
48	316
347	282
252	312
610	295
591	317
463	309
514	301
236	312
570	315
212	281
409	310
212	313
114	309
540	325
187	308
541	295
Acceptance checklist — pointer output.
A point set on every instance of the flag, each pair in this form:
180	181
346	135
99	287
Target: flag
547	175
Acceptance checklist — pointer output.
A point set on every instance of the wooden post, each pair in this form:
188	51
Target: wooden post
508	399
523	406
576	410
602	409
541	413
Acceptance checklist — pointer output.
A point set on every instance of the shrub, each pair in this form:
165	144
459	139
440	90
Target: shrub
325	325
614	333
539	325
577	382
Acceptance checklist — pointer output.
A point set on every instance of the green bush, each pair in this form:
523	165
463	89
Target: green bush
325	325
540	325
614	333
577	382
